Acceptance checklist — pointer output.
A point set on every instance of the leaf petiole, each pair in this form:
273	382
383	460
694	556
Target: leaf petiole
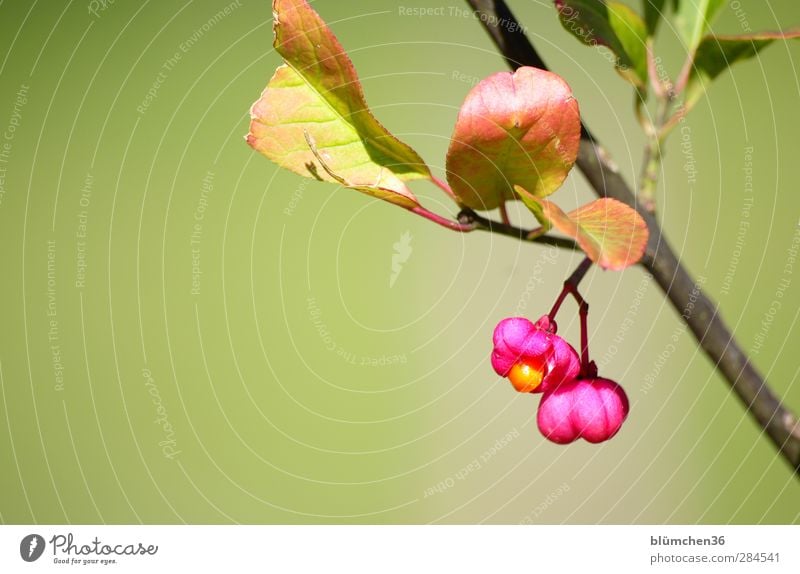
418	209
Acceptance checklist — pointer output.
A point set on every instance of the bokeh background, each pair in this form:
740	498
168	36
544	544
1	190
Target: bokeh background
190	334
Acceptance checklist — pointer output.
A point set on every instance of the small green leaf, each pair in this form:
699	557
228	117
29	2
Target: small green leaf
613	25
693	19
715	54
612	234
317	92
519	128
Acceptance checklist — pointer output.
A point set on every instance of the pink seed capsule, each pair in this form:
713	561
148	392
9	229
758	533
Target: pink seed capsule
591	409
532	356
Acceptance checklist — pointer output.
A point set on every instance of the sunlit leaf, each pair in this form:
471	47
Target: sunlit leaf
693	19
317	92
612	234
521	128
613	25
717	53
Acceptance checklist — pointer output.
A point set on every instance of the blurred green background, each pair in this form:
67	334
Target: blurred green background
192	335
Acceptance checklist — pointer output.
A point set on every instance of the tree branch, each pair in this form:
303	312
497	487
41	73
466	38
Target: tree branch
698	311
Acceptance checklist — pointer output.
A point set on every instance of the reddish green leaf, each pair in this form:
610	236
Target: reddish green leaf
612	234
521	128
613	25
317	92
715	54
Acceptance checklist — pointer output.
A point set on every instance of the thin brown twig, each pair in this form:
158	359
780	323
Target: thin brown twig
469	217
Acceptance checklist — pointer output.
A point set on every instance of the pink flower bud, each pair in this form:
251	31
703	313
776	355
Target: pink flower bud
591	409
532	356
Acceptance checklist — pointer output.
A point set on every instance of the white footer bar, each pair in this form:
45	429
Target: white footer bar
401	549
